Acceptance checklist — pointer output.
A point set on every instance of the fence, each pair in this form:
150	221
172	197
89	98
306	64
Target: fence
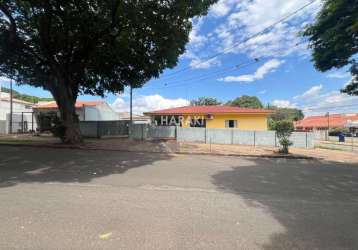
21	122
3	127
100	129
219	136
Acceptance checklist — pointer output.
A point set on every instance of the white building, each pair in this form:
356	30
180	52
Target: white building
86	110
22	118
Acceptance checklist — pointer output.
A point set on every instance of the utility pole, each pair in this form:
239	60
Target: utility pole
10	121
327	126
131	105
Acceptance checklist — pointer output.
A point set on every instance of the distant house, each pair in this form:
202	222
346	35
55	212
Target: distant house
22	118
314	123
86	110
212	117
137	119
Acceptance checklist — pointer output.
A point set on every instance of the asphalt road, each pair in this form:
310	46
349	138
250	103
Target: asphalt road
73	199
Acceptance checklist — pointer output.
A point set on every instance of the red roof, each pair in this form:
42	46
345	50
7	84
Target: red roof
79	104
335	121
209	110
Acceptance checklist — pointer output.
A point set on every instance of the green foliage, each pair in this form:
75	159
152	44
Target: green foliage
290	114
95	46
284	129
50	121
205	101
24	97
333	37
337	131
352	87
246	102
92	47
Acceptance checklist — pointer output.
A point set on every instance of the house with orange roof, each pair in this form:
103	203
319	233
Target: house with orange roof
212	117
325	122
86	110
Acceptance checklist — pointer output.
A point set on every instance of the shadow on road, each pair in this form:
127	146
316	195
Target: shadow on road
316	202
28	165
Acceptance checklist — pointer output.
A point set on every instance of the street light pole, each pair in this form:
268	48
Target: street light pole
11	111
328	126
131	105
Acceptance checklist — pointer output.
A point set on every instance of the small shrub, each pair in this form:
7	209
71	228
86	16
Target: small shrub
284	130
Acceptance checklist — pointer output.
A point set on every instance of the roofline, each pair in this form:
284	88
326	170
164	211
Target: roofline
205	113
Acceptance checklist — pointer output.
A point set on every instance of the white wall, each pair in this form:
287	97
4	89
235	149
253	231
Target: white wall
102	112
17	107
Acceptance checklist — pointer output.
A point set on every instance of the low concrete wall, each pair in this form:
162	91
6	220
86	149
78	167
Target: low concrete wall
146	131
3	129
219	136
161	132
191	135
104	128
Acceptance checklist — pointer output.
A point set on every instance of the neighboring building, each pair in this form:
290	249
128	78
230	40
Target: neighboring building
86	110
321	124
22	118
212	117
137	119
313	123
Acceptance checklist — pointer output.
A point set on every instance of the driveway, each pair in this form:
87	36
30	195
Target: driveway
76	199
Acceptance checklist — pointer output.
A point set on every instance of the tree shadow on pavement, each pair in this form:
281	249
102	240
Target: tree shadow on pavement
29	165
316	202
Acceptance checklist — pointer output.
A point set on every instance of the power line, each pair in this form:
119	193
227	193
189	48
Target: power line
332	107
207	59
205	76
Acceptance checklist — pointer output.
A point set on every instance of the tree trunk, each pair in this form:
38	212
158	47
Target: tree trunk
66	100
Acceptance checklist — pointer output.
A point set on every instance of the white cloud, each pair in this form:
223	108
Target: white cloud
310	93
233	21
268	67
195	39
339	75
283	104
4	79
221	8
198	63
148	103
315	101
262	92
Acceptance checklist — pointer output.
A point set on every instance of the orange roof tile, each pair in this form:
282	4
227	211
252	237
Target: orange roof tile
209	110
335	120
79	104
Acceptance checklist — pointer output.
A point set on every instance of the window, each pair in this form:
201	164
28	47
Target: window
231	124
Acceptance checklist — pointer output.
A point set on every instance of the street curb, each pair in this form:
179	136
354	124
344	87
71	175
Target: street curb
297	157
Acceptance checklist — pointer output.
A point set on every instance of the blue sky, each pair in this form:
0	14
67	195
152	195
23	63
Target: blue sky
283	75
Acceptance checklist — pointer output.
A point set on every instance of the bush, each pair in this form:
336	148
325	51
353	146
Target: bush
57	128
284	130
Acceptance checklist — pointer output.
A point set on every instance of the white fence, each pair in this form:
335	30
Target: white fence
218	136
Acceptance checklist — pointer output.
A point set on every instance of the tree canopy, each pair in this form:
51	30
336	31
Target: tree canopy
25	97
281	114
91	46
246	101
333	37
205	101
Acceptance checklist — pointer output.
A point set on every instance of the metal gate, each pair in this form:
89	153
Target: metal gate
22	122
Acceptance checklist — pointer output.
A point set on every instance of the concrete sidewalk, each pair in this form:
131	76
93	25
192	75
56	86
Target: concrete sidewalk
174	147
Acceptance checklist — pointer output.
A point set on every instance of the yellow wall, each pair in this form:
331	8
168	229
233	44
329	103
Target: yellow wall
244	121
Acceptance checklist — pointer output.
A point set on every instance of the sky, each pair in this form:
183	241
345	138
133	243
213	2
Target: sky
275	66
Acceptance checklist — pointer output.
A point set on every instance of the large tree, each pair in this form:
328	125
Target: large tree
92	47
333	38
205	101
246	101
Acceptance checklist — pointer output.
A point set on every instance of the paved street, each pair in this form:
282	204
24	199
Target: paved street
76	199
